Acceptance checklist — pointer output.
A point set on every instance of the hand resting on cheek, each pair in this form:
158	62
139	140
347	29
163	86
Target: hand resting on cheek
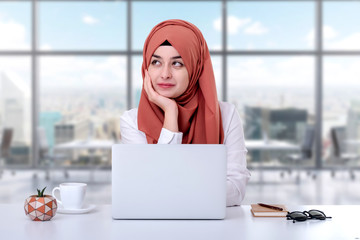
168	105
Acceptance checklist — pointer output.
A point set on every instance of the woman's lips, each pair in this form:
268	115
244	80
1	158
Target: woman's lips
166	85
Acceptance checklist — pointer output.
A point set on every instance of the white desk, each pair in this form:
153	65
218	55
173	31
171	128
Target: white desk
354	142
91	146
238	225
270	145
83	144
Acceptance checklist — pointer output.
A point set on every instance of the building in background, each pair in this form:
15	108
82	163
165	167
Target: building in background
48	120
15	114
67	131
353	126
287	124
280	124
15	107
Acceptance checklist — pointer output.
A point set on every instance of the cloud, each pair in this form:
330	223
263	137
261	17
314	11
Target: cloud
217	24
260	72
13	36
334	41
293	72
87	19
250	46
46	47
82	72
350	42
256	28
234	24
19	66
215	47
328	33
342	72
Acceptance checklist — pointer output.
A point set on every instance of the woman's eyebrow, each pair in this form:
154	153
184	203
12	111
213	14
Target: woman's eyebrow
157	56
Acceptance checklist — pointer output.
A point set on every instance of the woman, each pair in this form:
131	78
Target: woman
179	104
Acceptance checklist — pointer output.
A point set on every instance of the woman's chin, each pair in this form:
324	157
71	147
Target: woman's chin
166	94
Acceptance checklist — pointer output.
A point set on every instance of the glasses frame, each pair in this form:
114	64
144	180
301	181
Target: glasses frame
306	215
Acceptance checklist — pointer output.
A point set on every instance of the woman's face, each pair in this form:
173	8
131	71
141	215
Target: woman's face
168	73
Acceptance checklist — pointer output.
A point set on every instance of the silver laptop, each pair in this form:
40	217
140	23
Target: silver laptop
161	181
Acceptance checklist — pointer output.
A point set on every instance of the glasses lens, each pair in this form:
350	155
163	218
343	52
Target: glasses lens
317	214
298	216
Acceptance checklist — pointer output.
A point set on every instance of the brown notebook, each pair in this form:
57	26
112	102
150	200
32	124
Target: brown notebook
259	211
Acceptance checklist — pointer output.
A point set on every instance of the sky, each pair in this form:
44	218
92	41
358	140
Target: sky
251	26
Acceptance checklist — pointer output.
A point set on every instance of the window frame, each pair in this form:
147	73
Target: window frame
318	53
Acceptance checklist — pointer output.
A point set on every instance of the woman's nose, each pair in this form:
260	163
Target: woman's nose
166	72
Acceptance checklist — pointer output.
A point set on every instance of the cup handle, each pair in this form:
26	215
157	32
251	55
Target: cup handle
53	193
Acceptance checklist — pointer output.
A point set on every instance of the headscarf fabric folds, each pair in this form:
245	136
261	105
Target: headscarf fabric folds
199	112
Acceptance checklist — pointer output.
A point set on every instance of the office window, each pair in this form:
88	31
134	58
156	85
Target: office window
263	25
275	99
217	66
341	111
341	25
147	14
82	47
82	25
15	26
15	110
137	80
81	101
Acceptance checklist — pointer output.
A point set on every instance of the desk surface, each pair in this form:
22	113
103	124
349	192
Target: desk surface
270	145
83	144
239	224
353	141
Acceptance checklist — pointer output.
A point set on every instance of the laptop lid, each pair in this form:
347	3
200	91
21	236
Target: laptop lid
164	181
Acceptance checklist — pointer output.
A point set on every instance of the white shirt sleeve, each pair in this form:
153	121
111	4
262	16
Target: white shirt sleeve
237	172
169	137
130	134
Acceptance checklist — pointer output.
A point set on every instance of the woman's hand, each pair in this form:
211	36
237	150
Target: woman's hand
168	105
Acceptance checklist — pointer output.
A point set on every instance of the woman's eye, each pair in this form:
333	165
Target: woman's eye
178	64
155	62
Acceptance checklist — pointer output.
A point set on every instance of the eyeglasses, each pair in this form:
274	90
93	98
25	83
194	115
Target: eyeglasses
305	215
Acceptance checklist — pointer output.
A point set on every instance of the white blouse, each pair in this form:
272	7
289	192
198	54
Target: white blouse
237	173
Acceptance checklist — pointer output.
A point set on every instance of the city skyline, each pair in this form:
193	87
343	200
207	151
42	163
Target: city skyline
96	85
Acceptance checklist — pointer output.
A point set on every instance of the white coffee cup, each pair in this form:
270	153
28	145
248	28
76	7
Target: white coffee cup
72	195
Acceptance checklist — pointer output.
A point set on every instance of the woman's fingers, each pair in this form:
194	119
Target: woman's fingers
146	83
148	87
163	102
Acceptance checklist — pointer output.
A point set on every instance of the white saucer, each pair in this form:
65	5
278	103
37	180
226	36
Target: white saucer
86	208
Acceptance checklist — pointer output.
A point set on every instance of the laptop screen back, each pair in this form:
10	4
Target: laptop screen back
183	181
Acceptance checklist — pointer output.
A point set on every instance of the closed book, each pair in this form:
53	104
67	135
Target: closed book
259	211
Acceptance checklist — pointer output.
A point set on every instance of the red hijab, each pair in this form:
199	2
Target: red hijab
199	112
